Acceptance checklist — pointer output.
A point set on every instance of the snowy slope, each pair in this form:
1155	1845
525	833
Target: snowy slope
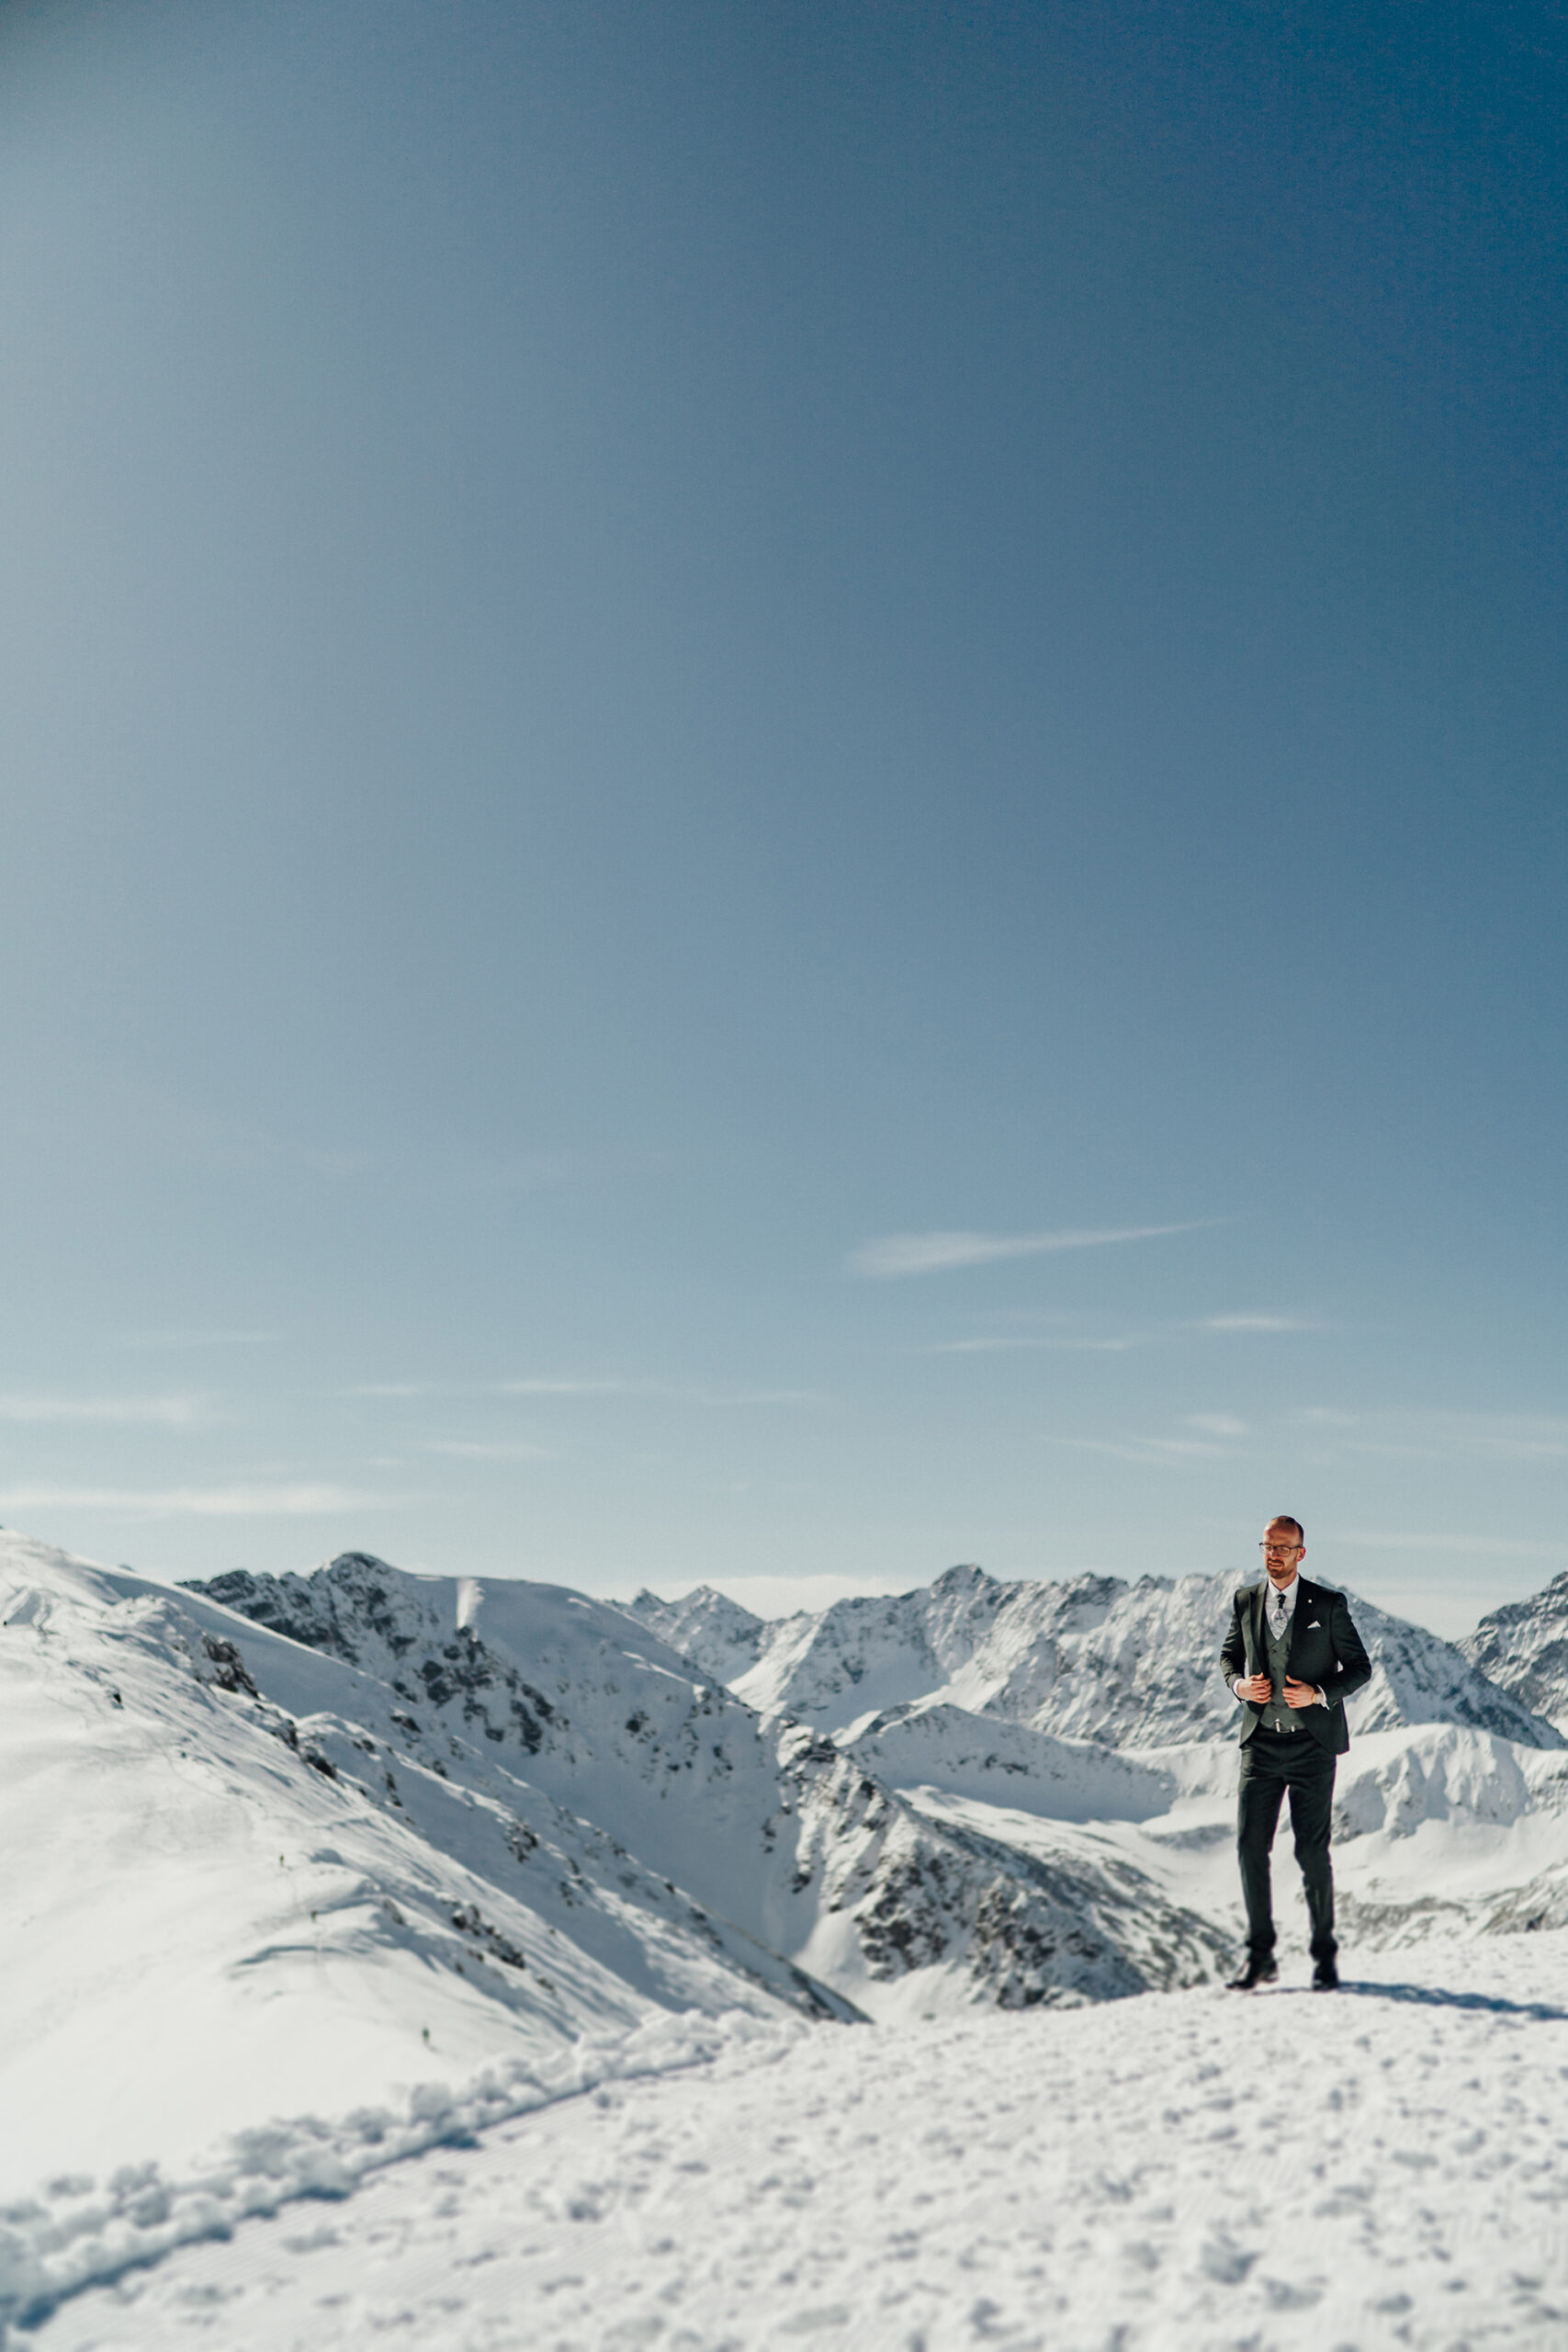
506	1815
924	1911
1523	1649
934	1745
1438	1830
225	1900
1054	2183
1093	1658
766	1826
1452	1804
570	1692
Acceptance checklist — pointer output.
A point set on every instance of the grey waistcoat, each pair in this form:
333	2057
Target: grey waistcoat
1275	1715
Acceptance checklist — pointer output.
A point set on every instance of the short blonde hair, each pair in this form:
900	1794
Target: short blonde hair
1283	1519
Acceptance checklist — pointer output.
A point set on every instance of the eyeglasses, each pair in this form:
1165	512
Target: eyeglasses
1286	1548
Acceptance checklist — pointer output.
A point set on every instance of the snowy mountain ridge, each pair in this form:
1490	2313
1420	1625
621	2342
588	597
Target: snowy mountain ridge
763	1823
1523	1648
1095	1658
333	1845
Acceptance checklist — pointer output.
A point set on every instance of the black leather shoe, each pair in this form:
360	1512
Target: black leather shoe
1261	1969
1325	1976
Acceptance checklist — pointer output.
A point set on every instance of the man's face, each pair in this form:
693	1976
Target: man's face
1283	1553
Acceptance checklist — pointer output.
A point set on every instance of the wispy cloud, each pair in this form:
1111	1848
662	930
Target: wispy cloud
668	1392
1257	1323
1000	1346
1154	1450
468	1449
198	1339
1205	1437
572	1385
1518	1437
1162	1335
162	1412
302	1501
1430	1436
932	1253
1399	1540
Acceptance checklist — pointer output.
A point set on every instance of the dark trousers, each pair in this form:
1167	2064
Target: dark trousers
1271	1762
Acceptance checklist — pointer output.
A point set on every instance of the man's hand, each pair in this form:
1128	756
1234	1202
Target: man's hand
1256	1688
1300	1694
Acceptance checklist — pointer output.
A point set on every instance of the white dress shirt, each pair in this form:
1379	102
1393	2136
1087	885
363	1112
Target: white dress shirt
1279	1608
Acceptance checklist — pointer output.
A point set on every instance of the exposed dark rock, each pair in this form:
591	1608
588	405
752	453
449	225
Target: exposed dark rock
232	1673
469	1922
1523	1648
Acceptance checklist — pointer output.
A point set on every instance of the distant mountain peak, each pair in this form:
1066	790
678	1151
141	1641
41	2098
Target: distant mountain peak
1522	1647
825	1874
715	1633
1130	1665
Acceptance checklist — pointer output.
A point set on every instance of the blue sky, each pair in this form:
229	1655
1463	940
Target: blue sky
784	788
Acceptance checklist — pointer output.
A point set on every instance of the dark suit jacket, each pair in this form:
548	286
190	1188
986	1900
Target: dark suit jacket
1325	1650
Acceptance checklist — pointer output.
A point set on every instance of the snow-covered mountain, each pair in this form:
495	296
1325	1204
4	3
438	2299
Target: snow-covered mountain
289	1847
1095	1658
236	1883
932	1744
760	1823
1523	1648
709	1628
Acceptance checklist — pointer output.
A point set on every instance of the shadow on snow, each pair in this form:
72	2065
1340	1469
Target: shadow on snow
1435	1996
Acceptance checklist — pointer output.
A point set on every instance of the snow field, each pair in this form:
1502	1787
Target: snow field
78	2231
1387	2166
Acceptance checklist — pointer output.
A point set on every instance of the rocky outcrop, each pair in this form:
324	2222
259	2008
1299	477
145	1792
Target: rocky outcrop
1523	1649
1061	1923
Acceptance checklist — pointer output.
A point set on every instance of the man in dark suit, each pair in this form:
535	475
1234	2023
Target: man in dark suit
1292	1658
